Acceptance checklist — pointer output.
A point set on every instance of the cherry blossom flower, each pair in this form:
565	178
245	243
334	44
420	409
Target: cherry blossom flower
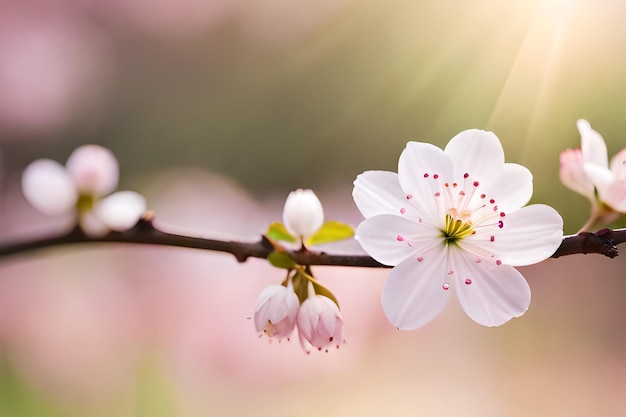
90	173
320	323
453	220
276	311
587	171
303	214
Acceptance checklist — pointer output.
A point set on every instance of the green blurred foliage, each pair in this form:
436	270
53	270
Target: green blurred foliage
18	398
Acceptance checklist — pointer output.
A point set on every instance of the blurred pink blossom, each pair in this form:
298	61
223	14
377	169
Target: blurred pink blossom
52	67
587	171
90	172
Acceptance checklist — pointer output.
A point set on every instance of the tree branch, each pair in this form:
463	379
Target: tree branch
603	242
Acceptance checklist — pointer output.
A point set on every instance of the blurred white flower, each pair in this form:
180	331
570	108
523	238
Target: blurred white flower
303	214
276	311
587	171
453	220
93	169
90	173
320	323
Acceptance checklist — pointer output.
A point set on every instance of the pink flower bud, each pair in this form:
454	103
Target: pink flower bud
276	311
319	323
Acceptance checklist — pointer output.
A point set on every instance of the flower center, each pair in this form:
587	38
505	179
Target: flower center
269	329
466	211
456	228
86	202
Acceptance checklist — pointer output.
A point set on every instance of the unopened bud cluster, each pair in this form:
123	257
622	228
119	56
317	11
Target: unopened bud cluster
301	301
279	311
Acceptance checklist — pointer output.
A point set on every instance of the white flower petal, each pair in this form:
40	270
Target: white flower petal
610	190
601	178
513	187
303	214
530	235
573	175
378	192
47	186
391	239
490	295
414	294
616	194
422	169
93	169
92	226
592	145
618	165
477	152
120	211
306	345
616	197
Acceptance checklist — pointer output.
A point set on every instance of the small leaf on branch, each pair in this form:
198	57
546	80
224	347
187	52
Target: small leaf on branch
317	286
300	285
281	260
278	231
331	231
321	290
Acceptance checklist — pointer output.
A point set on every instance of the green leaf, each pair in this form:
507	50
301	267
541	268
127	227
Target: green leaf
331	231
305	278
278	231
321	290
281	260
300	285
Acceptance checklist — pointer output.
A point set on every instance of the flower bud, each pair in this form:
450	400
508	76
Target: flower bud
276	311
319	323
303	214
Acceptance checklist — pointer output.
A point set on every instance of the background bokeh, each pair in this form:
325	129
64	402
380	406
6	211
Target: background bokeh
216	109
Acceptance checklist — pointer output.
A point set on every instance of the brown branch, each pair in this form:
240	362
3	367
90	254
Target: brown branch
602	242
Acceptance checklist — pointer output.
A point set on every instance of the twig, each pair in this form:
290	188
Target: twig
603	242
